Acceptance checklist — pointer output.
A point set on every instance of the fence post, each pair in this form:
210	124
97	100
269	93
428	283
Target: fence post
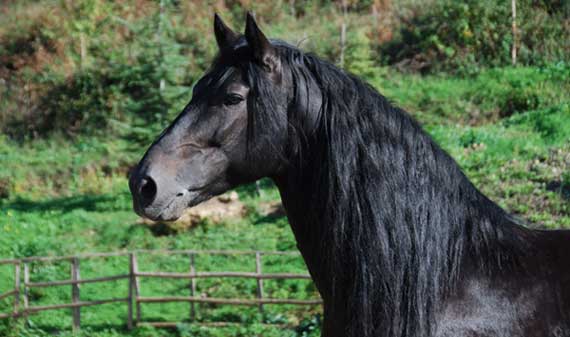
26	291
16	288
259	280
514	32
75	293
130	296
135	280
192	287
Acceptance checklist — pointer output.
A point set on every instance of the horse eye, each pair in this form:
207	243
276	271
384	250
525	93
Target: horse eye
232	99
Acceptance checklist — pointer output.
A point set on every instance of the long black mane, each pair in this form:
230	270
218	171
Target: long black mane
392	214
397	240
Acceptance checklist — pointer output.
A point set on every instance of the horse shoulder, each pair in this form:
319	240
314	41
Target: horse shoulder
531	304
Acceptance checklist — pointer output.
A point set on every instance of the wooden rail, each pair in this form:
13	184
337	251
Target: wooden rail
133	299
228	274
233	301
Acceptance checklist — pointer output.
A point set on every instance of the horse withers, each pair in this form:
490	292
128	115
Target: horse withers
397	240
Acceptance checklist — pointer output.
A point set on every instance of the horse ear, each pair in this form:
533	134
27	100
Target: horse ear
263	52
224	35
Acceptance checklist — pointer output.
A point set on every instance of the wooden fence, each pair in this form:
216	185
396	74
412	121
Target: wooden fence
132	299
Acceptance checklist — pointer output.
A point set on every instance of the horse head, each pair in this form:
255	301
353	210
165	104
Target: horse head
232	132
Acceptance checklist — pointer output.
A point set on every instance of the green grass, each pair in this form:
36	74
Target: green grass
66	196
105	222
480	99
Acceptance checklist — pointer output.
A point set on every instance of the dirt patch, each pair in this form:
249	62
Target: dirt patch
272	209
5	188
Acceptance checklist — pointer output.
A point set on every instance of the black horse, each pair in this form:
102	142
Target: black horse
398	241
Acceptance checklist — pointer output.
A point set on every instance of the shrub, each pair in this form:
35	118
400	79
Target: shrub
120	92
462	36
358	58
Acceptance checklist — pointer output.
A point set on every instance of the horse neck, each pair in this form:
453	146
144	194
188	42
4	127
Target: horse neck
388	214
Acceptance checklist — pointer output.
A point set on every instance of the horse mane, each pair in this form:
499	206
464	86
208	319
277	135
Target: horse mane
391	214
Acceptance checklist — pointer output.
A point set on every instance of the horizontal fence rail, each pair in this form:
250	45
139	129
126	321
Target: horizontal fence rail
133	299
230	274
227	300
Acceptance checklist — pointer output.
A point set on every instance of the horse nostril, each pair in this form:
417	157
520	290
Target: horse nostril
147	189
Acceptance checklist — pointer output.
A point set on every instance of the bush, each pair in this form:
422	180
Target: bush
139	64
463	36
358	53
120	92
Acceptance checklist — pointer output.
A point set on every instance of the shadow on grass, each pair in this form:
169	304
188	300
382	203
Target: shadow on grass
275	214
67	204
559	187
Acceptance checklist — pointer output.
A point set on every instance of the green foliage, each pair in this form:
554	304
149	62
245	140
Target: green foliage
483	98
465	36
552	124
123	93
137	70
358	58
309	327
